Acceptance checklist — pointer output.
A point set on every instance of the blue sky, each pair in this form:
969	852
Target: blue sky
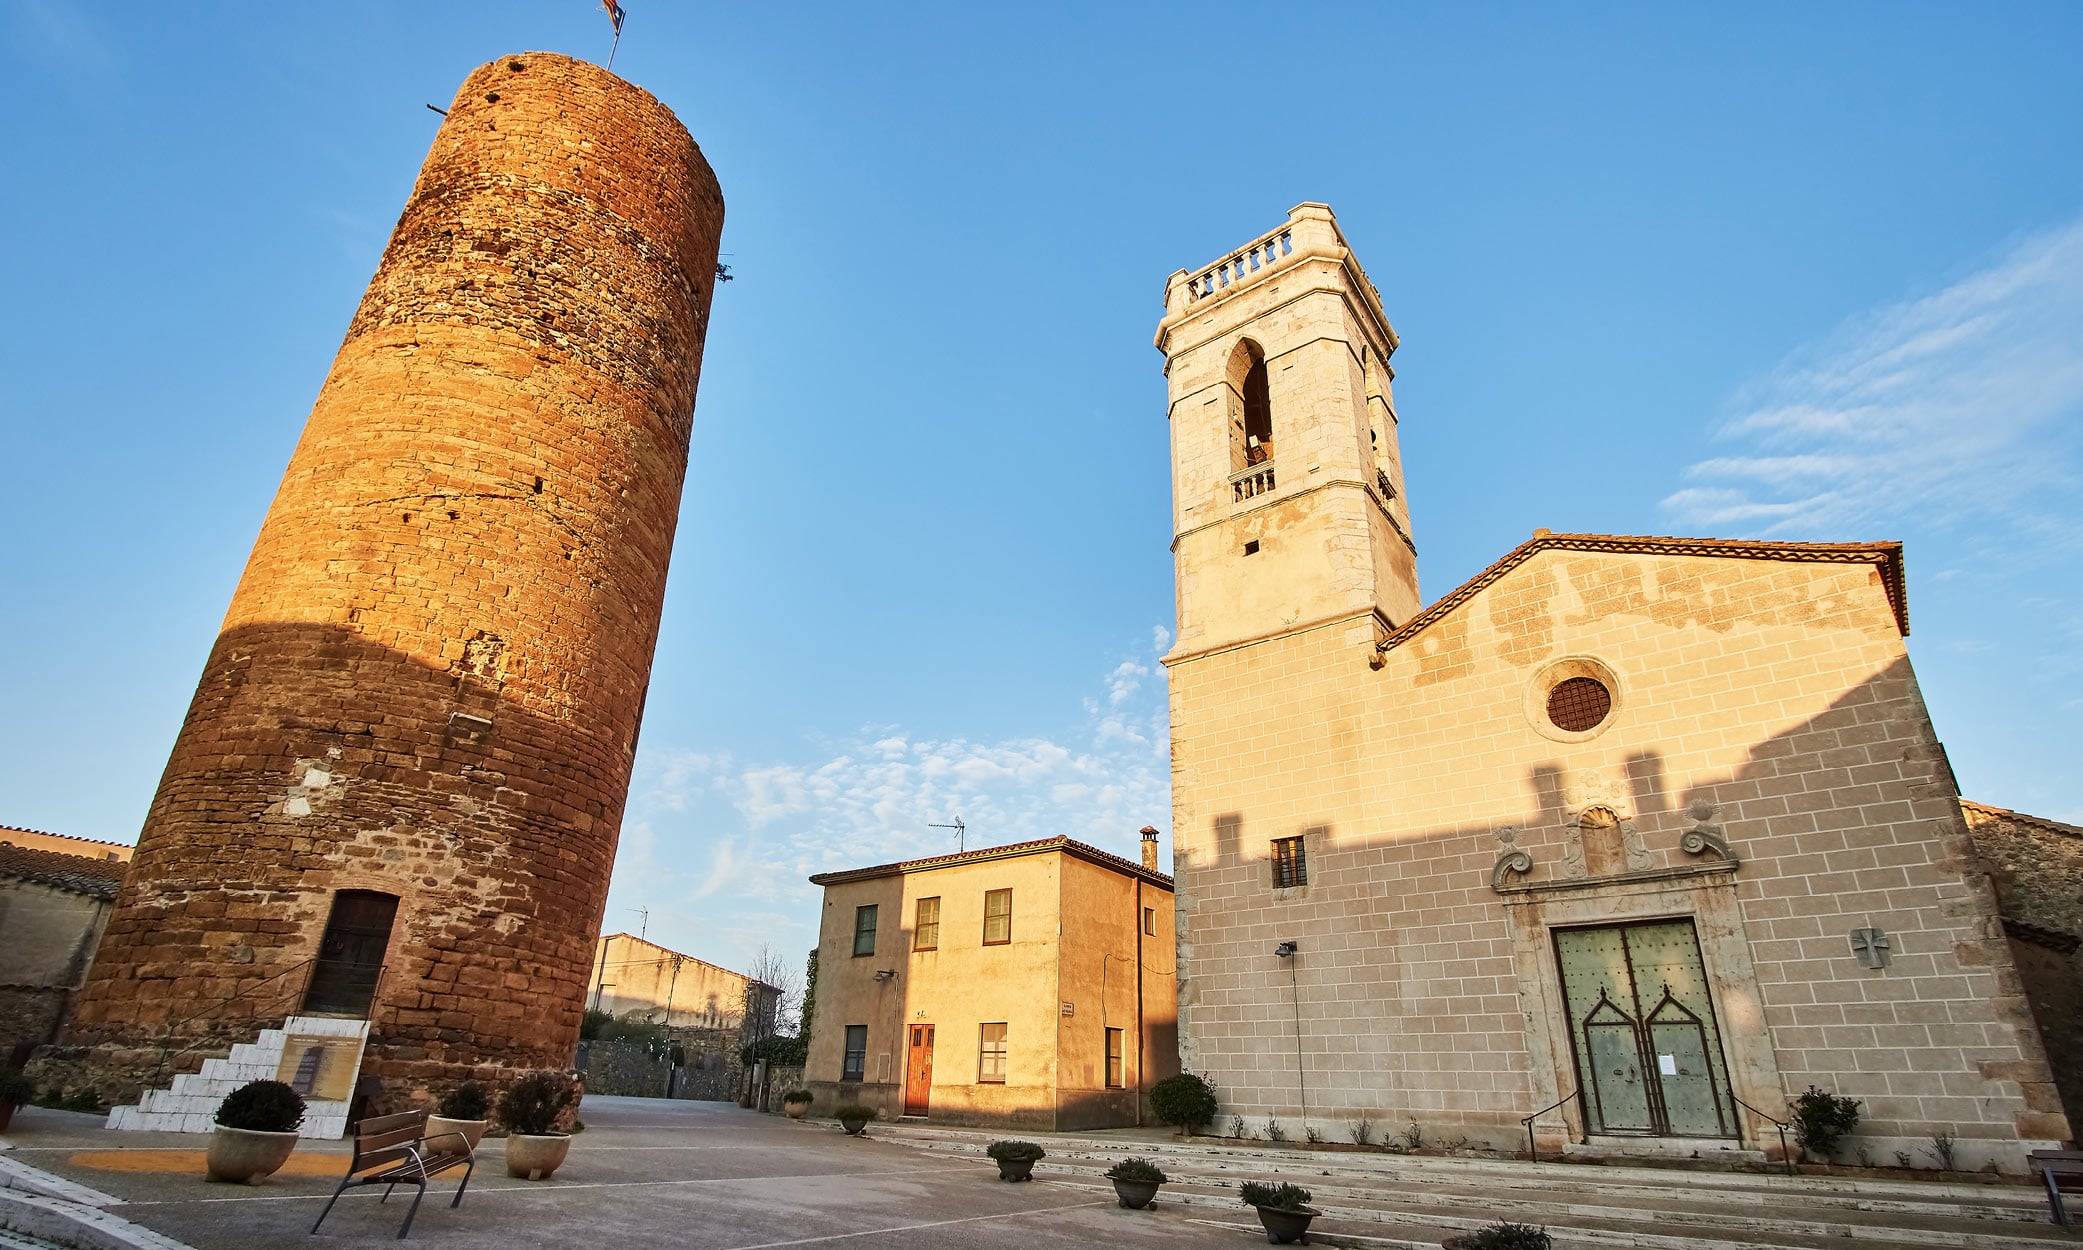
1790	271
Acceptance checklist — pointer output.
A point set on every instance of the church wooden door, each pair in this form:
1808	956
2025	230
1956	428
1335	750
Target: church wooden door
918	1071
1643	1031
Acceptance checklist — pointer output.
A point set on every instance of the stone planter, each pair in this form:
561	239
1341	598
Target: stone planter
1283	1225
246	1157
473	1131
795	1110
853	1127
1135	1195
535	1158
1016	1169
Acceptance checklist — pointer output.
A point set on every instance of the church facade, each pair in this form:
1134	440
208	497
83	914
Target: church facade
1638	837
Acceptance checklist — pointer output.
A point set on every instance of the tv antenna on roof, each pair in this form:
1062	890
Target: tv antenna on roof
961	831
643	922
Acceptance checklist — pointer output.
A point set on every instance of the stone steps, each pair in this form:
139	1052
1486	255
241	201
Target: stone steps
190	1105
1394	1201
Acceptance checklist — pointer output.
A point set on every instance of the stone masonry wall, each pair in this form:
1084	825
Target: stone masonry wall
2037	868
431	677
1776	695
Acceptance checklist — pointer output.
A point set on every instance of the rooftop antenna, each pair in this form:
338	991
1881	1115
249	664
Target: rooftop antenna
961	831
643	921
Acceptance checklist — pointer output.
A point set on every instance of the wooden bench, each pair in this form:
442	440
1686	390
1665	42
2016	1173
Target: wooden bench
2056	1167
394	1150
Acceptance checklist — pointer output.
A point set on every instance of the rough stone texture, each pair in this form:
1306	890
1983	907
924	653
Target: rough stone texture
2037	868
1762	692
53	906
431	677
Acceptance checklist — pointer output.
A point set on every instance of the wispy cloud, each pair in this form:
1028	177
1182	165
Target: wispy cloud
710	836
1965	402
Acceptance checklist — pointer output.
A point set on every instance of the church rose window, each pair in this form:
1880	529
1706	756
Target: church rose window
1579	703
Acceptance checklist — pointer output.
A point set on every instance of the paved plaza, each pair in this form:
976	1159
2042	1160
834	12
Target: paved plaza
646	1172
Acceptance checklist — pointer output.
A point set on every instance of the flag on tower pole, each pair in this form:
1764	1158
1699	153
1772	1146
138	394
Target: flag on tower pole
615	16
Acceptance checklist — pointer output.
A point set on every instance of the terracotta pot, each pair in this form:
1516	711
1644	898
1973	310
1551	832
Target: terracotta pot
473	1131
246	1157
796	1110
1016	1169
1283	1226
536	1158
853	1126
1135	1195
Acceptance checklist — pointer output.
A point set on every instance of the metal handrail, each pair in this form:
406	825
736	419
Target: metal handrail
1532	1152
1786	1156
167	1058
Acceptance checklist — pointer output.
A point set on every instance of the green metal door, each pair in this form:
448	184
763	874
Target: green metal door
1642	1029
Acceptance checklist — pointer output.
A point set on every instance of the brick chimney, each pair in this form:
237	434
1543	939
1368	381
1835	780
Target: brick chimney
1150	848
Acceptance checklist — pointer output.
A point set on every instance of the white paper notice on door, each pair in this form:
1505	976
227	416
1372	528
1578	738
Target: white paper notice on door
1667	1064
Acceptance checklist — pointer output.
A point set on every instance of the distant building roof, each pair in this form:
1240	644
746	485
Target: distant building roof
1984	811
1075	849
67	844
80	874
1886	557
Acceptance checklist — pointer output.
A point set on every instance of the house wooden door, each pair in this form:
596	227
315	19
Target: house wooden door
918	1071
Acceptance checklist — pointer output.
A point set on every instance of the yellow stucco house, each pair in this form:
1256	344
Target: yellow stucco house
1029	986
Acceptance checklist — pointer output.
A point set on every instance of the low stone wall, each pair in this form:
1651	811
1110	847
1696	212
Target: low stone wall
29	1017
625	1069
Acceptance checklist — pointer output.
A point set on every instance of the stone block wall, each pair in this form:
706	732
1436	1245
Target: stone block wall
431	677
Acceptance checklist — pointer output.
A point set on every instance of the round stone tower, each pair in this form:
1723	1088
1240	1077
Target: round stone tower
398	789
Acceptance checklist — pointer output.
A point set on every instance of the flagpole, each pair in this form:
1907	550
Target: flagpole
613	46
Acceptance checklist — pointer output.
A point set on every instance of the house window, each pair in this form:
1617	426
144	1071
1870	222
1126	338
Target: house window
1150	921
990	1054
1290	864
856	1065
998	917
864	930
925	933
1113	1058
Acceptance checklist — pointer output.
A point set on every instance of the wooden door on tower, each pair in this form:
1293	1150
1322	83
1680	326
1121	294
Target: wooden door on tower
350	955
1643	1028
918	1070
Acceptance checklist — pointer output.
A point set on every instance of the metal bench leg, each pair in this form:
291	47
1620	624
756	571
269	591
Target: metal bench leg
413	1210
468	1168
329	1203
2061	1215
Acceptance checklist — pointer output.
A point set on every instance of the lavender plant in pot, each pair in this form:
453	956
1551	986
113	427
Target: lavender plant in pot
461	1111
1283	1210
529	1110
1136	1182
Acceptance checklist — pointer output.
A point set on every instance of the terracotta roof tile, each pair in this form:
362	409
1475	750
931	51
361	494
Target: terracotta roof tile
1090	854
79	874
1984	811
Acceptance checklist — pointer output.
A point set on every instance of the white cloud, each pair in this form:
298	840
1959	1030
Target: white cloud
1960	403
710	837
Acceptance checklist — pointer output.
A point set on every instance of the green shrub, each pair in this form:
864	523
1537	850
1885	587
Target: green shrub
853	1111
531	1105
262	1107
779	1052
1185	1100
1281	1197
1014	1151
467	1101
1137	1172
1505	1235
1820	1119
797	1097
15	1087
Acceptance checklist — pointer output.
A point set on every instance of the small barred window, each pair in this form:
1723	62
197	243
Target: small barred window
1290	863
1578	704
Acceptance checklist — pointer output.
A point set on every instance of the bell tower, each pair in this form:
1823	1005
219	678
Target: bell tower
1287	485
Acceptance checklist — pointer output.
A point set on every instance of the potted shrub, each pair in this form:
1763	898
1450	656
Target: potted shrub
1185	1100
1820	1119
853	1117
1503	1235
1136	1182
15	1089
1015	1159
528	1110
1283	1210
796	1103
256	1131
461	1110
